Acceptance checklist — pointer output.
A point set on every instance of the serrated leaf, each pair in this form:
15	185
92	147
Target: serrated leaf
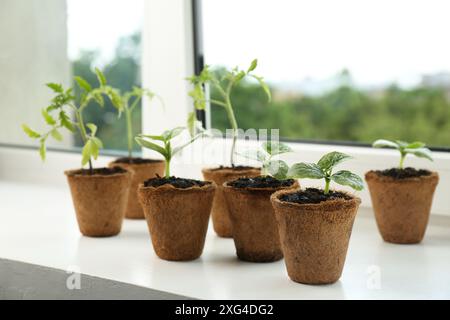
86	154
56	135
332	159
30	132
253	65
275	147
382	143
152	146
305	170
421	153
48	118
83	84
277	169
66	122
42	150
101	77
56	87
99	99
346	178
198	95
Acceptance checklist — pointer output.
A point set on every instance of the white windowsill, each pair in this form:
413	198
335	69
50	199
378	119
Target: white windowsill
39	227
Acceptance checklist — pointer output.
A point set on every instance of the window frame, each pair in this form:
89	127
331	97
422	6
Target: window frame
168	58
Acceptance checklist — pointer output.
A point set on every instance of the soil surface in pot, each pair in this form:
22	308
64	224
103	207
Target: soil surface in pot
136	160
260	182
237	168
100	171
405	173
180	183
313	195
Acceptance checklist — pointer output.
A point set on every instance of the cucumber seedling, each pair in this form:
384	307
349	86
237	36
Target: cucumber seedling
265	155
415	148
224	85
324	170
58	116
166	149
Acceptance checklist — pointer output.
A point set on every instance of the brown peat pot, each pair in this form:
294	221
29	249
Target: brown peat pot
255	231
315	236
177	219
142	169
402	206
220	215
99	199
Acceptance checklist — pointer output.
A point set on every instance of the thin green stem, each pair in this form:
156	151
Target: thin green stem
167	169
402	160
234	126
129	132
83	133
327	185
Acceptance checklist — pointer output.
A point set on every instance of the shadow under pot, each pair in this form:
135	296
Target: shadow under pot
401	200
177	212
255	231
220	215
100	199
315	231
143	169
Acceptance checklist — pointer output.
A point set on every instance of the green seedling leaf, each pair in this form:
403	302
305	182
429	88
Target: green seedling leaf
256	155
31	133
346	178
87	152
421	153
66	122
56	134
274	148
253	65
93	128
401	144
98	97
57	88
306	170
264	86
191	123
415	145
97	142
277	169
332	159
381	143
152	146
83	84
170	134
179	148
101	77
48	118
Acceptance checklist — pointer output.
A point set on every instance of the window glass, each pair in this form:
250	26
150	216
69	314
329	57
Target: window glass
345	70
53	40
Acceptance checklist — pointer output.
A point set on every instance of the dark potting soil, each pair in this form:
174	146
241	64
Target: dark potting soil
260	182
100	171
313	195
180	183
237	168
405	173
136	160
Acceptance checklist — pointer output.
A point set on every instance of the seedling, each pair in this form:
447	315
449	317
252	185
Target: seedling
166	150
129	101
275	168
224	86
57	116
416	148
324	170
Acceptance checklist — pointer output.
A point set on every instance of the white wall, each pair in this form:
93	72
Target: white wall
33	51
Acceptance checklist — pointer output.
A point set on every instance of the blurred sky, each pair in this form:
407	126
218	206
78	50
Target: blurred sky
379	41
